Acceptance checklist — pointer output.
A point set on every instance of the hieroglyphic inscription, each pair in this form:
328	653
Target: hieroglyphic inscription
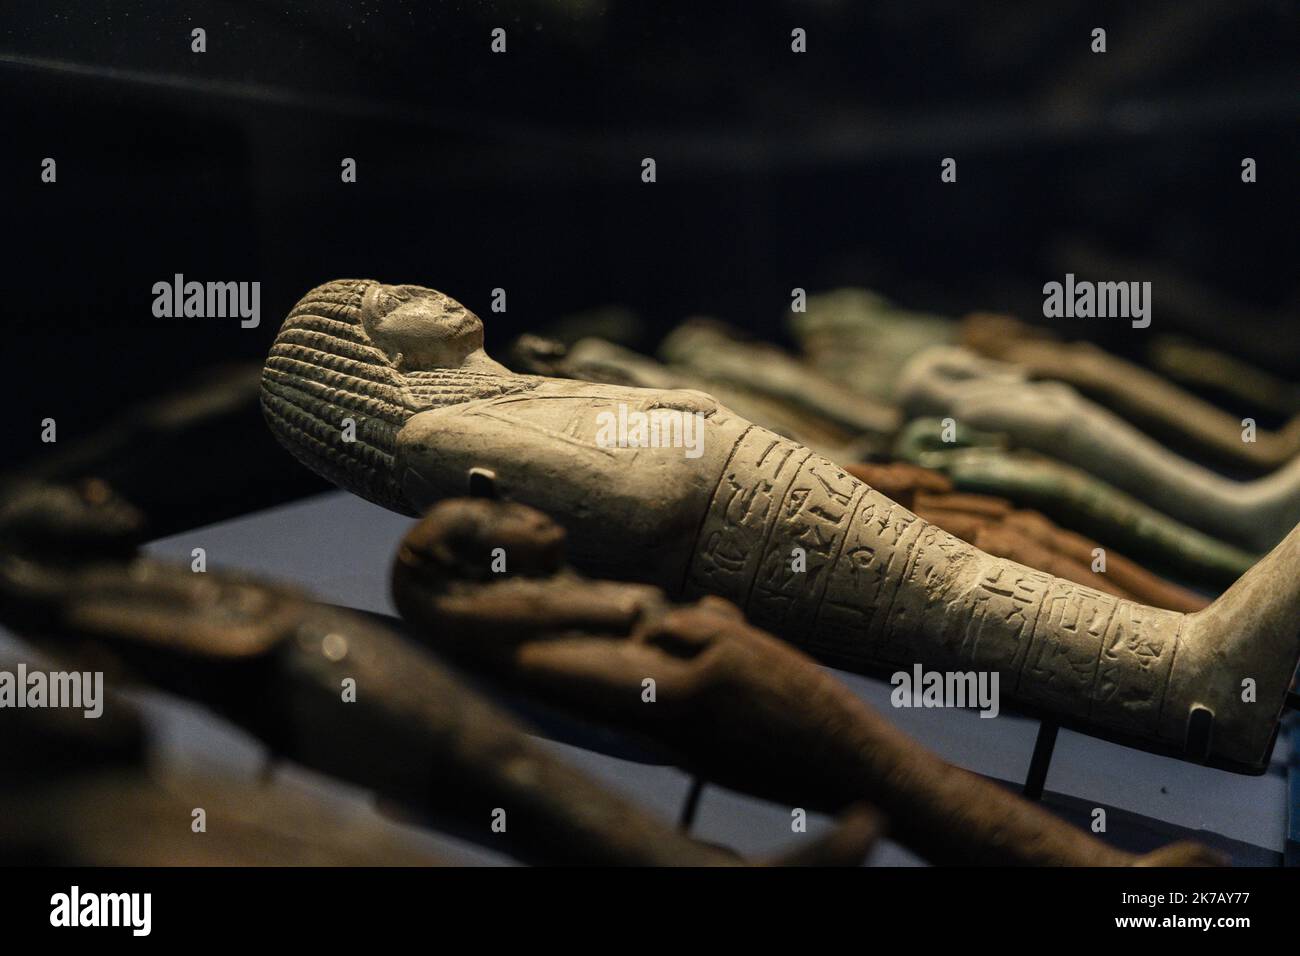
1136	658
929	617
814	518
741	513
883	587
860	585
1061	669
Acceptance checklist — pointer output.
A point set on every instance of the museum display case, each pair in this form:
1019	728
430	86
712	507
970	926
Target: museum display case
554	432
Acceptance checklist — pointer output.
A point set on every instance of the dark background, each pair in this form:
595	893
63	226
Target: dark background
522	171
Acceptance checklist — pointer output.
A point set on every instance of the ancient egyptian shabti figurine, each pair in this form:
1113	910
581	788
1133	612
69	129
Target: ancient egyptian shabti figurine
279	666
739	706
862	340
79	792
132	819
1199	366
1053	418
993	525
980	462
806	550
715	350
1142	397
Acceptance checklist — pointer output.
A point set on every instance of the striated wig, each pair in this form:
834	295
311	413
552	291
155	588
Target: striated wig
325	367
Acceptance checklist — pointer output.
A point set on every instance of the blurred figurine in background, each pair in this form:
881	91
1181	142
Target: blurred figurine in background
721	354
79	792
862	340
995	526
1054	419
1141	397
980	462
1198	366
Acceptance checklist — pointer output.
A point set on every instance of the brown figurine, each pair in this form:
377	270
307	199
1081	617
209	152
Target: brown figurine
1141	396
332	690
1199	366
142	819
78	792
486	581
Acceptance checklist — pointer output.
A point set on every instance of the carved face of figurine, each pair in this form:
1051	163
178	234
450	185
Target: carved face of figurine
460	538
420	329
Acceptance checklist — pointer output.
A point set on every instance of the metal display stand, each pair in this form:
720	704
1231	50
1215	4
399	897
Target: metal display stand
692	804
1044	748
1291	855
